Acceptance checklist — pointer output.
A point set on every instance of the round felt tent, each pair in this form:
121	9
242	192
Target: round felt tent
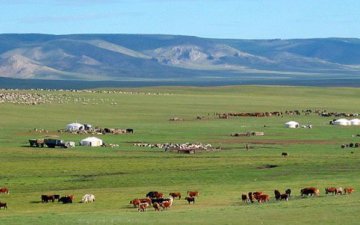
342	122
355	122
292	124
91	141
74	127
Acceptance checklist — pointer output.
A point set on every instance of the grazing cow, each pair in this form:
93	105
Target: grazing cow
47	198
56	197
310	191
277	194
159	195
256	194
191	199
340	190
193	193
156	206
349	190
129	130
284	197
143	206
4	190
3	205
332	190
244	198
251	197
137	201
167	204
263	198
288	192
175	195
284	154
66	199
88	198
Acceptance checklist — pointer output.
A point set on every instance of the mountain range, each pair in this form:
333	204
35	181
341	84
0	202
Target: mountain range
126	57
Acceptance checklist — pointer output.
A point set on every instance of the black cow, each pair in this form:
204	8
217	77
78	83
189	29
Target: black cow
65	200
191	199
159	200
129	130
277	194
288	192
152	194
47	198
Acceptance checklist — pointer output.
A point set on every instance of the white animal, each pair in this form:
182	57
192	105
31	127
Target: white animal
88	198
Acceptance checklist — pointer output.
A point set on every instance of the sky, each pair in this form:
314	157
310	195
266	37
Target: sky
234	19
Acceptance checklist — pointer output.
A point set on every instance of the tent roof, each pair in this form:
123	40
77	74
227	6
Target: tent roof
342	120
75	124
91	139
292	122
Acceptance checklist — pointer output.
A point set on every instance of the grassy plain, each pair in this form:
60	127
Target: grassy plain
117	175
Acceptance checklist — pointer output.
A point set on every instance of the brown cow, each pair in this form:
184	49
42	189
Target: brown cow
136	202
159	195
263	198
175	195
142	207
332	190
167	204
193	193
156	206
4	190
256	194
349	190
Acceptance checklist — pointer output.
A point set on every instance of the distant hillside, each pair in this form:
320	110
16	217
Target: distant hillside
120	57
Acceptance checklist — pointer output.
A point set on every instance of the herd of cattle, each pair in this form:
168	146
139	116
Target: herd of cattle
157	200
261	197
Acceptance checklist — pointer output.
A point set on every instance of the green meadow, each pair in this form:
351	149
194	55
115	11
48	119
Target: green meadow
119	174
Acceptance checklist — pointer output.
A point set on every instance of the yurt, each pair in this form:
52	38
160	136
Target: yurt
342	122
355	122
91	141
292	124
74	127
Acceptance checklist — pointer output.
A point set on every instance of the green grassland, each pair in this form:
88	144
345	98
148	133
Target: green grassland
117	175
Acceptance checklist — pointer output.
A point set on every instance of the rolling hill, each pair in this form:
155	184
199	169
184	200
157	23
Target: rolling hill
121	57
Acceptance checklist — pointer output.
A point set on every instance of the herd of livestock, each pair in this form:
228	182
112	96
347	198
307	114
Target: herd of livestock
159	202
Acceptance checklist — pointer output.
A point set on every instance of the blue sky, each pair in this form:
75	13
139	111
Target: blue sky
240	19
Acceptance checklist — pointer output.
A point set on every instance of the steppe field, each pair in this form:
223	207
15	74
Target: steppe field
116	175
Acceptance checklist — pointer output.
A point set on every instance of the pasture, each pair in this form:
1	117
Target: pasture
117	175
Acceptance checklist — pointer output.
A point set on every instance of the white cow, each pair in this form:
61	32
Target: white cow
88	198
